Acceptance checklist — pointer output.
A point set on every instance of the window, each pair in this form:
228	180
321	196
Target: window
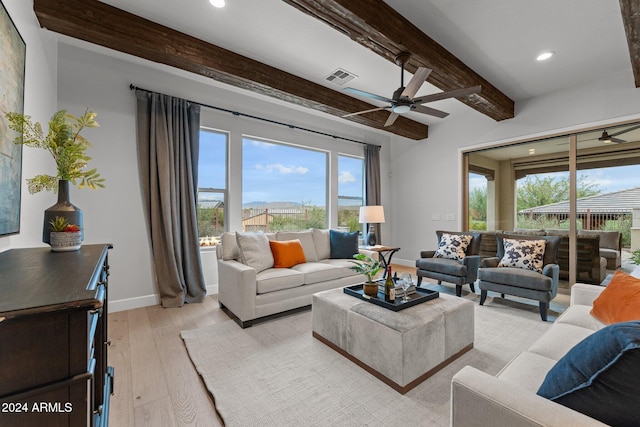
212	185
350	192
284	187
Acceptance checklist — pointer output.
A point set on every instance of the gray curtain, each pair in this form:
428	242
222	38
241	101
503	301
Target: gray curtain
372	180
168	142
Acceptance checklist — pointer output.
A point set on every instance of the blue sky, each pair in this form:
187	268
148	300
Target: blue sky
608	180
277	172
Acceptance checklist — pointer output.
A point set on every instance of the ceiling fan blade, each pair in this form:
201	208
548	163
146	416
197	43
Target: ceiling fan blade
391	119
625	131
416	81
367	94
430	111
618	140
365	111
448	94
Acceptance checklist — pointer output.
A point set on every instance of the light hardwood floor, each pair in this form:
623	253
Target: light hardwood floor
155	382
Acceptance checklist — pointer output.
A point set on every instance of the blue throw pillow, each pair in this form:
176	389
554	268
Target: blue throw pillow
600	376
343	244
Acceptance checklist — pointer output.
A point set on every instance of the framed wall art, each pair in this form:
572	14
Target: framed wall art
12	66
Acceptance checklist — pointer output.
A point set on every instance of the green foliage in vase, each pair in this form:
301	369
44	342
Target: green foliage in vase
64	142
366	265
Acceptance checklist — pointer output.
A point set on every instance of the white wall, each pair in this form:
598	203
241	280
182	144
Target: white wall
427	175
88	79
40	98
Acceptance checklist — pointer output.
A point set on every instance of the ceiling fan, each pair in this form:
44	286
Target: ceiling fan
403	99
606	138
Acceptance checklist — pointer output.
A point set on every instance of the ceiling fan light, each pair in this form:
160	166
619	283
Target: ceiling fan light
401	109
545	55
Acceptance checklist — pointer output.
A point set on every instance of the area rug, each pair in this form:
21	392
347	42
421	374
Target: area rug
276	374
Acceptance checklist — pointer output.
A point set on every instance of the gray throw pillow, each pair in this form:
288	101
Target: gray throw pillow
255	250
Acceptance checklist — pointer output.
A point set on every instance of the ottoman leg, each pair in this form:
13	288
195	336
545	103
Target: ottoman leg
483	296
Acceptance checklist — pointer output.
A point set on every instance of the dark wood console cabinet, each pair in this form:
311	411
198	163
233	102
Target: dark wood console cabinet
53	337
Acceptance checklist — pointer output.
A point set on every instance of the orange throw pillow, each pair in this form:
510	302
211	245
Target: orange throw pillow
287	253
620	301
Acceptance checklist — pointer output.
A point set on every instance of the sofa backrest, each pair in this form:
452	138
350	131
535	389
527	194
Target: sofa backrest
608	239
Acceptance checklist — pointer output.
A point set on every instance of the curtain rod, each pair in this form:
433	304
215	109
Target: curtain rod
290	126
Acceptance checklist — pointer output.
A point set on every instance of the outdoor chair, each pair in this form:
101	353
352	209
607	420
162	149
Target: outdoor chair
451	262
511	271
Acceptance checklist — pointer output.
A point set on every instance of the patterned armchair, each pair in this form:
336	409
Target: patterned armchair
522	268
455	261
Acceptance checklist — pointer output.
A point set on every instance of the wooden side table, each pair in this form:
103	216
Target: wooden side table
384	252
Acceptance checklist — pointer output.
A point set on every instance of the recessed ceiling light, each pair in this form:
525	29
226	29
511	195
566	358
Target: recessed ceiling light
545	55
218	3
532	151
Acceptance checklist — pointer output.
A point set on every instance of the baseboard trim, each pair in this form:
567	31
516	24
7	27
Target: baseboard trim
145	301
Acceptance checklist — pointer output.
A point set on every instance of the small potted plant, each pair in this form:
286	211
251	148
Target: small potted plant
369	267
65	237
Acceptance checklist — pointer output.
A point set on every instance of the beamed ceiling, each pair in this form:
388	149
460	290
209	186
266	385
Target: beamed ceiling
370	23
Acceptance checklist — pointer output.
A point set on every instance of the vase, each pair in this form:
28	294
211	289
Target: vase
65	241
63	208
370	289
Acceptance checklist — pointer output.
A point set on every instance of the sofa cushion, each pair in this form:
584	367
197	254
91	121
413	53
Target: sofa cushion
344	265
277	279
598	377
527	254
442	265
513	276
620	301
453	246
306	239
287	253
608	239
343	244
254	250
229	246
527	370
315	272
322	243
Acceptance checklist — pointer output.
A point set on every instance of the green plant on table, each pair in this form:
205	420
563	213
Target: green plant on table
366	265
64	142
60	224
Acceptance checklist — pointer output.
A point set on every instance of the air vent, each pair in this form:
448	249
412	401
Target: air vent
340	77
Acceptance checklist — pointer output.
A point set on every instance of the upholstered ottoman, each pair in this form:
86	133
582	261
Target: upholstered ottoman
400	348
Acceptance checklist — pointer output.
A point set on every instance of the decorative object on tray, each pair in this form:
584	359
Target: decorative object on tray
64	237
369	267
67	147
421	295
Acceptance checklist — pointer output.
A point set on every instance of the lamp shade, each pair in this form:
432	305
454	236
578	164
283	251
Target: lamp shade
371	215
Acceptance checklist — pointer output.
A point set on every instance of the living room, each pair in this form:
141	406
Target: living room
420	180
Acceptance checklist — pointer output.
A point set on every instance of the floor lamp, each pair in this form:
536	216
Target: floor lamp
371	215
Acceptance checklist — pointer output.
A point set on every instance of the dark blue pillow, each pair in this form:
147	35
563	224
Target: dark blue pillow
600	376
343	244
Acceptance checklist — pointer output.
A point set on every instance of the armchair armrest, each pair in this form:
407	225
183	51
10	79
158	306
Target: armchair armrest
490	262
479	399
472	262
427	254
237	288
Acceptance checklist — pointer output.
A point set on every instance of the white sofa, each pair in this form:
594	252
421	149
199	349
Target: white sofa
509	398
248	295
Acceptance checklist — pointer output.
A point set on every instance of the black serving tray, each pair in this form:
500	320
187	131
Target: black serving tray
419	297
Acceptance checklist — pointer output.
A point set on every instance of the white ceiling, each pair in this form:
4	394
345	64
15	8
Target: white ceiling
499	39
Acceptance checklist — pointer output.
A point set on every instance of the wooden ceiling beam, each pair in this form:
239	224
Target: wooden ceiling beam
375	25
631	20
105	25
